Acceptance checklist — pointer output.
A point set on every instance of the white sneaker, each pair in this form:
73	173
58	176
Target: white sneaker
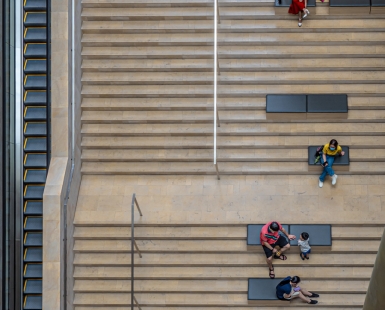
305	15
334	179
299	24
320	183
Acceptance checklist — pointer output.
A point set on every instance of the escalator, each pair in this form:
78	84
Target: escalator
36	125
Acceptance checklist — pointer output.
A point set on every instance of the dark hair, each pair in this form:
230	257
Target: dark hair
274	226
295	279
333	142
305	235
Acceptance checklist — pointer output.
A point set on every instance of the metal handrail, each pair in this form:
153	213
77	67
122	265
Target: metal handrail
134	245
216	72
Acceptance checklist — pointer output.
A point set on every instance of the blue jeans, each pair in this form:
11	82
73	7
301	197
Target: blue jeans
328	169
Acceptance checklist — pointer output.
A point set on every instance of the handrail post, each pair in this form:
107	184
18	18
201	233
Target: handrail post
216	167
137	205
219	124
137	248
218	68
137	303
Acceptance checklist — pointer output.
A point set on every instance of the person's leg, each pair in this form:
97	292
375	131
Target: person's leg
269	261
284	245
299	18
329	169
303	297
324	172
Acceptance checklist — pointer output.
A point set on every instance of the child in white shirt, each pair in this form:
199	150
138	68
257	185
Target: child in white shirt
303	243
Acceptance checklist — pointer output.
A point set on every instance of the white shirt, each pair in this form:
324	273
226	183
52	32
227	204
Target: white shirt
304	244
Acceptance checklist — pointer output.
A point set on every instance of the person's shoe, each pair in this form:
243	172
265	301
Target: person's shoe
305	15
299	24
313	295
334	179
320	183
313	302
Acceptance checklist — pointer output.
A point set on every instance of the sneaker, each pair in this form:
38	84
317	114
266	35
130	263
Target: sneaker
334	179
313	302
305	15
314	295
320	183
299	24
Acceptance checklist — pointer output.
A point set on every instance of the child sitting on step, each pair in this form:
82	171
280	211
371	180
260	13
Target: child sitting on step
303	243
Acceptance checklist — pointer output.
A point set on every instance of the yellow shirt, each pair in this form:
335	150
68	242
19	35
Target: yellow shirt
329	152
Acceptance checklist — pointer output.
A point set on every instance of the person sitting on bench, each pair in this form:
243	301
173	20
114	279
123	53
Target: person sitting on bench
270	238
329	152
289	289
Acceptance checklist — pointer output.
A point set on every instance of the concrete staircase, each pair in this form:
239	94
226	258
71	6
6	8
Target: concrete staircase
147	87
208	266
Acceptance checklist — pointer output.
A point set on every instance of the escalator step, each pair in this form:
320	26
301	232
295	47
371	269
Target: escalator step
33	287
35	129
32	302
35	161
35	50
33	271
33	239
33	208
35	19
35	66
33	255
34	192
35	98
35	5
35	113
35	82
33	223
35	176
35	34
35	145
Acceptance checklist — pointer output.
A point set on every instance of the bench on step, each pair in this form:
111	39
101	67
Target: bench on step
286	106
349	7
253	240
282	7
320	237
328	106
378	7
341	163
262	292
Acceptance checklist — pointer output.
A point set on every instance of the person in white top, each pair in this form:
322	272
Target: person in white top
303	243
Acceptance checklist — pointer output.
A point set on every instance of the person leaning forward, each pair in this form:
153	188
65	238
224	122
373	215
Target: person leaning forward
270	239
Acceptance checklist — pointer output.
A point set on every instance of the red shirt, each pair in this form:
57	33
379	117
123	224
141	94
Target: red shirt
268	236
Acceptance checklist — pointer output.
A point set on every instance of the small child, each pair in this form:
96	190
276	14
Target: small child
303	243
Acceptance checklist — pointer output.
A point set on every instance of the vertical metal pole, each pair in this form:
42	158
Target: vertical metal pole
132	251
215	79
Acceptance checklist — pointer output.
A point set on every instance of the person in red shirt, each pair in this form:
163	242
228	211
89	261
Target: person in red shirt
270	238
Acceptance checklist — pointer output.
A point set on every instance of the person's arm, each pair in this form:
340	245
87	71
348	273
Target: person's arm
288	294
291	237
266	244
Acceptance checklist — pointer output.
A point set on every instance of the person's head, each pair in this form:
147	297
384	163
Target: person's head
274	226
294	281
304	236
333	144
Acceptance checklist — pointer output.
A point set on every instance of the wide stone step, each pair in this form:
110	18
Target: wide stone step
325	307
263	25
239	52
183	91
215	232
223	155
263	129
211	286
231	78
357	233
232	65
232	39
226	260
214	273
204	246
358	142
203	104
199	299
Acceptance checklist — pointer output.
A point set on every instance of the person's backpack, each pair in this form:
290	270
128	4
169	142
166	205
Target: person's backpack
317	154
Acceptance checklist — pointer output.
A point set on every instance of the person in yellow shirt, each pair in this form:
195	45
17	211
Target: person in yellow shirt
329	152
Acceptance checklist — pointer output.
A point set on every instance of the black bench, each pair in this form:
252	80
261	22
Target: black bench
286	106
335	104
320	237
342	162
282	7
253	233
262	291
347	7
378	7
